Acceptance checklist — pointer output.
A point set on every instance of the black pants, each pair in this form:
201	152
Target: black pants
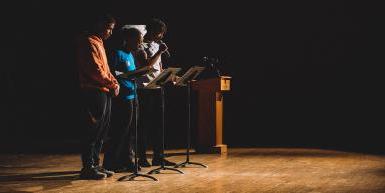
96	111
150	121
120	145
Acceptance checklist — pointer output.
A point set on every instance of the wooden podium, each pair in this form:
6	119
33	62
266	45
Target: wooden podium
209	131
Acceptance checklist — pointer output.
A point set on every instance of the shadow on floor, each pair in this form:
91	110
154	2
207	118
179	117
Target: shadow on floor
48	180
66	175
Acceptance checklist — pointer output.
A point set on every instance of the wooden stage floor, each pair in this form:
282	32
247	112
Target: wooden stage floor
242	170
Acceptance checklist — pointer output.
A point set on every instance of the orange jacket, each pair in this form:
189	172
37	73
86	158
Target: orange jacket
93	66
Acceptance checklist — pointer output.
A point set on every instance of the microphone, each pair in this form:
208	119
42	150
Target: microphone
212	64
167	53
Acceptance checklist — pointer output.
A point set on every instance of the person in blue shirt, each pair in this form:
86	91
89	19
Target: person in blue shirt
118	156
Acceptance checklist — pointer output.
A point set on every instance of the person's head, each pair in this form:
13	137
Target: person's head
132	39
103	26
156	29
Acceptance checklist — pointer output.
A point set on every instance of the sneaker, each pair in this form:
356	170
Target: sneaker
103	170
143	163
92	174
158	161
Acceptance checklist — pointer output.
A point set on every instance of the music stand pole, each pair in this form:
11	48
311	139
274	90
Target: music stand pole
136	173
187	162
162	165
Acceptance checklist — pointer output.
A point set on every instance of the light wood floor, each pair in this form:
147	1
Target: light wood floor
242	170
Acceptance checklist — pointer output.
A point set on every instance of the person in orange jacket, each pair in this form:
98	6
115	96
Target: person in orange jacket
97	86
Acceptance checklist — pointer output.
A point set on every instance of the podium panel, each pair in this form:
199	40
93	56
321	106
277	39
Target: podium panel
210	114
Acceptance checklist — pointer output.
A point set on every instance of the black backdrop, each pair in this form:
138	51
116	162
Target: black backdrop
302	71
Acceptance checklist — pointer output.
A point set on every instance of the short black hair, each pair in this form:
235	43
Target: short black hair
130	33
123	35
156	26
96	21
104	19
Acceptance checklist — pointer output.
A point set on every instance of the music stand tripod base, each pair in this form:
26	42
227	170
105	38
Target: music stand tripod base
184	164
157	170
131	177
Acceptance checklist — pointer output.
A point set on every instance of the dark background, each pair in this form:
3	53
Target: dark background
304	73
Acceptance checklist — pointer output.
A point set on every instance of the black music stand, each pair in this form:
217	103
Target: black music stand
159	82
136	73
133	75
185	80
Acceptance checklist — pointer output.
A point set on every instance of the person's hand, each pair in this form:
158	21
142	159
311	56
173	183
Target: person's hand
162	47
175	79
116	91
